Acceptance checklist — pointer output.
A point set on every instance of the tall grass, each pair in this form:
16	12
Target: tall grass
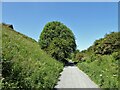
103	70
25	65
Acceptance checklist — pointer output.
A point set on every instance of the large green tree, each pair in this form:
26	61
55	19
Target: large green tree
57	40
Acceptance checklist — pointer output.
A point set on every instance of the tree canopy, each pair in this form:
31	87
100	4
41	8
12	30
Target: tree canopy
57	40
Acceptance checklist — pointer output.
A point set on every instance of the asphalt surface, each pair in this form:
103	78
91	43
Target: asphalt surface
73	77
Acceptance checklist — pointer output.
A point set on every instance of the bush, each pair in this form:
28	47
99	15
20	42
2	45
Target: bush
107	45
79	57
116	55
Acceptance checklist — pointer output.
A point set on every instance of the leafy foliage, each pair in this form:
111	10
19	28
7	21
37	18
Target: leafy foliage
79	56
25	65
57	40
107	45
101	61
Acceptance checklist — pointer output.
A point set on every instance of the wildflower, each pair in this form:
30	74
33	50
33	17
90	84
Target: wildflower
114	75
2	79
102	71
100	75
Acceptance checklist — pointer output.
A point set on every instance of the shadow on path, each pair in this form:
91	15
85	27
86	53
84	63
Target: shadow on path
70	63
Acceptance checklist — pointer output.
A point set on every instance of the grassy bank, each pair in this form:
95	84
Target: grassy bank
101	61
103	70
24	64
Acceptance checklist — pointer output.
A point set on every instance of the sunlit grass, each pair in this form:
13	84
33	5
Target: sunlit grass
103	70
25	65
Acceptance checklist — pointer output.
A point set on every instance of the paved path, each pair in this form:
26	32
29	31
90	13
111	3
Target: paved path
72	77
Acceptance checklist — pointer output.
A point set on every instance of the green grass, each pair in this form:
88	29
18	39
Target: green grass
24	64
103	70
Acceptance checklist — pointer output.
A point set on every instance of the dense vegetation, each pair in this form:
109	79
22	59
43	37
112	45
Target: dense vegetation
100	61
57	40
24	64
107	45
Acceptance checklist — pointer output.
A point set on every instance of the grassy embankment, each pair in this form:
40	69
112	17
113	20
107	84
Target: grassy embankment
103	70
101	61
24	64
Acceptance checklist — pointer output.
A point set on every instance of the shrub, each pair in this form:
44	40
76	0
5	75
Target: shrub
79	56
107	45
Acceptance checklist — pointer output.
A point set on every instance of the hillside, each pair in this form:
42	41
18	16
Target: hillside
100	61
24	64
107	45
